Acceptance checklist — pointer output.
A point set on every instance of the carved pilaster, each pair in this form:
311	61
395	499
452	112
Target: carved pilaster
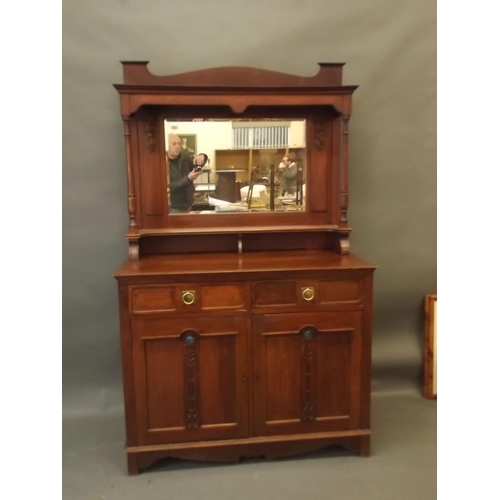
150	135
191	381
319	135
344	168
307	354
131	198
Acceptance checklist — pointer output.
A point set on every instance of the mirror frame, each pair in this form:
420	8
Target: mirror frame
146	100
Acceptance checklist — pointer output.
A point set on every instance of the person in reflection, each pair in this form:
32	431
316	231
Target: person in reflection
288	169
182	173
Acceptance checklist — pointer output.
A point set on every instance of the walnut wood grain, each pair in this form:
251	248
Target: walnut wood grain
270	447
226	263
137	73
429	354
224	355
323	100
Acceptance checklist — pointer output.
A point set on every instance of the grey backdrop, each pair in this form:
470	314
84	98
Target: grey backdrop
389	48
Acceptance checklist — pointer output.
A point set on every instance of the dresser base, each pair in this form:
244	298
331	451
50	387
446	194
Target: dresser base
141	457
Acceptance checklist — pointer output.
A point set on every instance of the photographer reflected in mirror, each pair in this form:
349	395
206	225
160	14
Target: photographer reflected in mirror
289	174
183	170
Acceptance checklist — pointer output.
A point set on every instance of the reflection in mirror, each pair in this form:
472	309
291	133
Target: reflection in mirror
218	166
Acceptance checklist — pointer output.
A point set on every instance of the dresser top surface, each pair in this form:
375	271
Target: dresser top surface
227	263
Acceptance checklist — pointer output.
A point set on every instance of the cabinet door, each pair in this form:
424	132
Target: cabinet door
190	378
307	372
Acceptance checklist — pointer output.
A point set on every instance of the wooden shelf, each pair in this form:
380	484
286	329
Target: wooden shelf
242	230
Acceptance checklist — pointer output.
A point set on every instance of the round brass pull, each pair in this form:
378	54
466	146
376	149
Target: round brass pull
188	297
308	293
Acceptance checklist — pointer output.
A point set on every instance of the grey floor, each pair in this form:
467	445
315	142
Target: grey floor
402	465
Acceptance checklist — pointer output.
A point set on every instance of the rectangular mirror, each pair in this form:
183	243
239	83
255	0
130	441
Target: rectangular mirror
220	166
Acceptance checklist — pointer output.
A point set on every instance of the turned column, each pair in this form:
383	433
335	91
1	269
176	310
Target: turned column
131	197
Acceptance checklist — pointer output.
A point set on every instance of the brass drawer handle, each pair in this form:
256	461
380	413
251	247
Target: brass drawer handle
307	293
188	297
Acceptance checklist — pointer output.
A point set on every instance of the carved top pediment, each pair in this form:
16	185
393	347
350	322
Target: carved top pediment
328	76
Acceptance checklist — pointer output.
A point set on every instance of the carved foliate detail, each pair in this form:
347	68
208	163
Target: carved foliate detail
150	135
344	203
319	135
344	181
191	378
308	347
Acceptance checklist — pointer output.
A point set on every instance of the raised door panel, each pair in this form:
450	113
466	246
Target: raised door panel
307	372
190	379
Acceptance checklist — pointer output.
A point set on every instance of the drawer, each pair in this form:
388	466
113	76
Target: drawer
306	293
175	298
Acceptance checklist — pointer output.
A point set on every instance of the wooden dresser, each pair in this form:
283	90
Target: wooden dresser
242	334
